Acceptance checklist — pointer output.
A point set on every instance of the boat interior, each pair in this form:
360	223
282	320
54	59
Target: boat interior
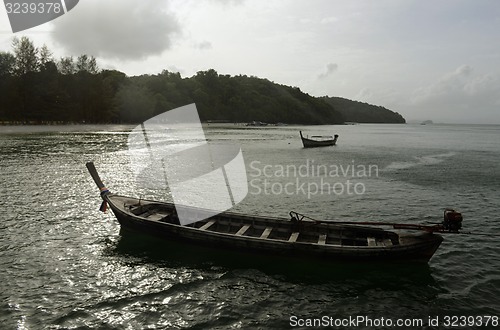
271	228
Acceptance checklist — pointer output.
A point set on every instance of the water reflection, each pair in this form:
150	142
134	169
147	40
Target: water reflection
140	248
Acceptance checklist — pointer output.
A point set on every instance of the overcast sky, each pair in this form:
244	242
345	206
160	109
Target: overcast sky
437	60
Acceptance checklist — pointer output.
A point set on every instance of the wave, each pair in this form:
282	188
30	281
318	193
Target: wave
420	161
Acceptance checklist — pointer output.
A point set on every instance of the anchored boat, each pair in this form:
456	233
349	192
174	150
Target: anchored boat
318	140
298	236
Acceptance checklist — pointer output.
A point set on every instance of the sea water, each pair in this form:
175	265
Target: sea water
67	266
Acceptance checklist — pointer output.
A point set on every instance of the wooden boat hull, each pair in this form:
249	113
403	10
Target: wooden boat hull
311	143
287	240
308	143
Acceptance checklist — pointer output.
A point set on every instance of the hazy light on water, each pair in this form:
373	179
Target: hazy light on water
65	265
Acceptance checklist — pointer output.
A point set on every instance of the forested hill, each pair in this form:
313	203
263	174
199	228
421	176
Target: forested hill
36	88
112	97
223	98
359	112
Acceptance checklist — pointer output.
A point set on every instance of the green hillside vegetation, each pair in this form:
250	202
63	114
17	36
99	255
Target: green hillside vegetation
222	98
35	88
359	112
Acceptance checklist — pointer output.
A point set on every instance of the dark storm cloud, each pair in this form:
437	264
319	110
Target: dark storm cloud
125	29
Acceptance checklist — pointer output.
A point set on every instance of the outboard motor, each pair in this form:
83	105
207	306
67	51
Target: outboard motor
452	220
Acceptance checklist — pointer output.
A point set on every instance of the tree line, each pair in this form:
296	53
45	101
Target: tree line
360	112
36	88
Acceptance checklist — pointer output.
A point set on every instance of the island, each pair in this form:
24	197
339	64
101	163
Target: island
35	88
360	112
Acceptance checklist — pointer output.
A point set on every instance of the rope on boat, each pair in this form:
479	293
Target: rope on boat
443	227
452	222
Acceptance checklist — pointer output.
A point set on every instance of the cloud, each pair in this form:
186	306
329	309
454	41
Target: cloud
204	45
484	86
329	20
461	86
229	2
330	68
364	95
125	29
461	94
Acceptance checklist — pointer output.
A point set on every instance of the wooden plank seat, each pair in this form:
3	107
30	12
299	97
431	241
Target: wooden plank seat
386	242
266	232
156	216
207	225
242	230
293	237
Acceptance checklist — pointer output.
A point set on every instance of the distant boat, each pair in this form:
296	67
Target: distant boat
426	122
318	140
257	123
299	236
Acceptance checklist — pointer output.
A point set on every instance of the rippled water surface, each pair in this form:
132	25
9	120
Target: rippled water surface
67	266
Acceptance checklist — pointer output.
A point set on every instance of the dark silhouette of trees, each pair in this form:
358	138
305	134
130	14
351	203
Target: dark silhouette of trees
7	62
26	55
86	64
66	65
359	112
35	88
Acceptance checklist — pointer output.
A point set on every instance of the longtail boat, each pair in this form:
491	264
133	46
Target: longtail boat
298	236
318	140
